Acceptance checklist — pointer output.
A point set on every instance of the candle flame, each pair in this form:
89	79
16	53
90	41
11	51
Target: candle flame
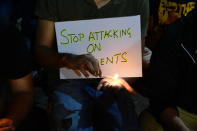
115	81
116	76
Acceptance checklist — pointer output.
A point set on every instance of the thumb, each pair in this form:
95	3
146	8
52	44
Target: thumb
99	86
129	88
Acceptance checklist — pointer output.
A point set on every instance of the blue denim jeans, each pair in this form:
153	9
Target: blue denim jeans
79	107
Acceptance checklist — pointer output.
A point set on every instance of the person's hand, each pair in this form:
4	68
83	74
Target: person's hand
147	53
6	125
115	85
83	64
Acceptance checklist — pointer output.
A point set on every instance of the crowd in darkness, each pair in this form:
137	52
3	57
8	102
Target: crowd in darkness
33	98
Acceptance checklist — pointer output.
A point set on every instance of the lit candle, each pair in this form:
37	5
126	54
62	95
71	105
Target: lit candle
115	82
116	76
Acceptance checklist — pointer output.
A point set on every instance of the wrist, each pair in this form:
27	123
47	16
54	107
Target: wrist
65	60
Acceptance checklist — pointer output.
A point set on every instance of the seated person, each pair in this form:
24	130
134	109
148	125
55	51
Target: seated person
76	101
172	80
15	73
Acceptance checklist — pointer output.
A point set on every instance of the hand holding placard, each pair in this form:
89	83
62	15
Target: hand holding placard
82	64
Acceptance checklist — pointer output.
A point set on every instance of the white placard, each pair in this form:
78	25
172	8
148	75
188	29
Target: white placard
115	42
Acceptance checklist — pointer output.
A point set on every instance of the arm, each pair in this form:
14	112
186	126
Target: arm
22	99
45	54
171	121
49	58
22	92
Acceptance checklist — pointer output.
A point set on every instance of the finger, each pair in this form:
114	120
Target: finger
106	84
129	88
133	92
84	72
99	86
100	72
90	68
95	64
77	72
106	79
102	86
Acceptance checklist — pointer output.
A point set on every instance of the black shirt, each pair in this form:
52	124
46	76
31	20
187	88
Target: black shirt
14	56
68	10
172	80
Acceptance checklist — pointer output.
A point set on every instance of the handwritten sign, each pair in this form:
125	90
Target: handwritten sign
115	42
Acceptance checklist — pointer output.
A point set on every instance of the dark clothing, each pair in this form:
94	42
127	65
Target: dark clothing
28	22
5	13
163	13
162	10
68	10
172	80
14	56
79	107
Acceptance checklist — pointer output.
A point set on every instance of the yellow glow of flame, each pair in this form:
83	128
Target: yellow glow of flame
116	76
115	81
